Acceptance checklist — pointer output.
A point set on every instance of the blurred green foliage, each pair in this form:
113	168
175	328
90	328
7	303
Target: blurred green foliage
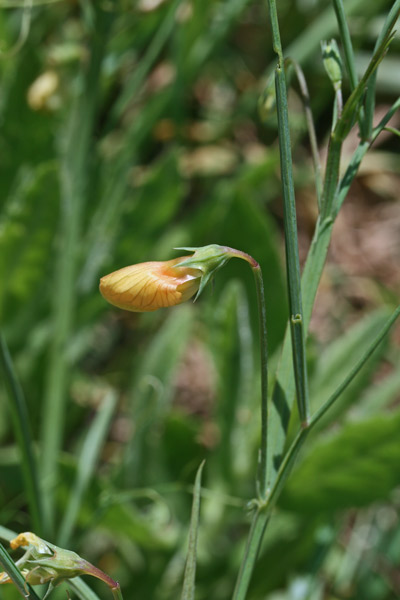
148	137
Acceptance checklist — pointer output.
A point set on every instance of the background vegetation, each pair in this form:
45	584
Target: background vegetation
128	129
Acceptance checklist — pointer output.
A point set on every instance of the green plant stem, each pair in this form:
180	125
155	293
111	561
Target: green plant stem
20	420
262	478
74	177
292	252
263	512
257	529
276	36
117	594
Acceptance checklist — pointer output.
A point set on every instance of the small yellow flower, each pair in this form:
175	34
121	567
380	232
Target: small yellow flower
151	285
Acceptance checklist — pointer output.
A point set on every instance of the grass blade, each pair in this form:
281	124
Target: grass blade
14	573
190	569
88	460
20	419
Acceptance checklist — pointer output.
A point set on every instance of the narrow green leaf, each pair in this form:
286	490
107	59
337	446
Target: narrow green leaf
88	459
14	573
189	580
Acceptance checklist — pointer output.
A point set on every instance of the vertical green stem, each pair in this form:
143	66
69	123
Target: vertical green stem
256	534
116	592
290	224
262	478
292	253
20	419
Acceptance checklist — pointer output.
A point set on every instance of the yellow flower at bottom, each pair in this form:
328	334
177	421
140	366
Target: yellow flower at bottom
151	285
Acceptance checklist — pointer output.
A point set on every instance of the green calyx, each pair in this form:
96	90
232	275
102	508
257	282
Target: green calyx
207	259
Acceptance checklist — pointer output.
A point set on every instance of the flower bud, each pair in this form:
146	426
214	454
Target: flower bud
151	285
46	563
332	62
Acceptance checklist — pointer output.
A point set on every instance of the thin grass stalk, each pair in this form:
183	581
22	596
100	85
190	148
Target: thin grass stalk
292	252
23	435
74	177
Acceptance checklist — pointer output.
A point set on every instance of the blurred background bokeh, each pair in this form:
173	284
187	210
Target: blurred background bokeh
128	129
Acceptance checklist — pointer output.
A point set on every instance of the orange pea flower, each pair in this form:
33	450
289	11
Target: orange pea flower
147	286
151	285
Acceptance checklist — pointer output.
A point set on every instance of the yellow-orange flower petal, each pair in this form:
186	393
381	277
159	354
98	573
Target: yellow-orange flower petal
28	538
145	287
